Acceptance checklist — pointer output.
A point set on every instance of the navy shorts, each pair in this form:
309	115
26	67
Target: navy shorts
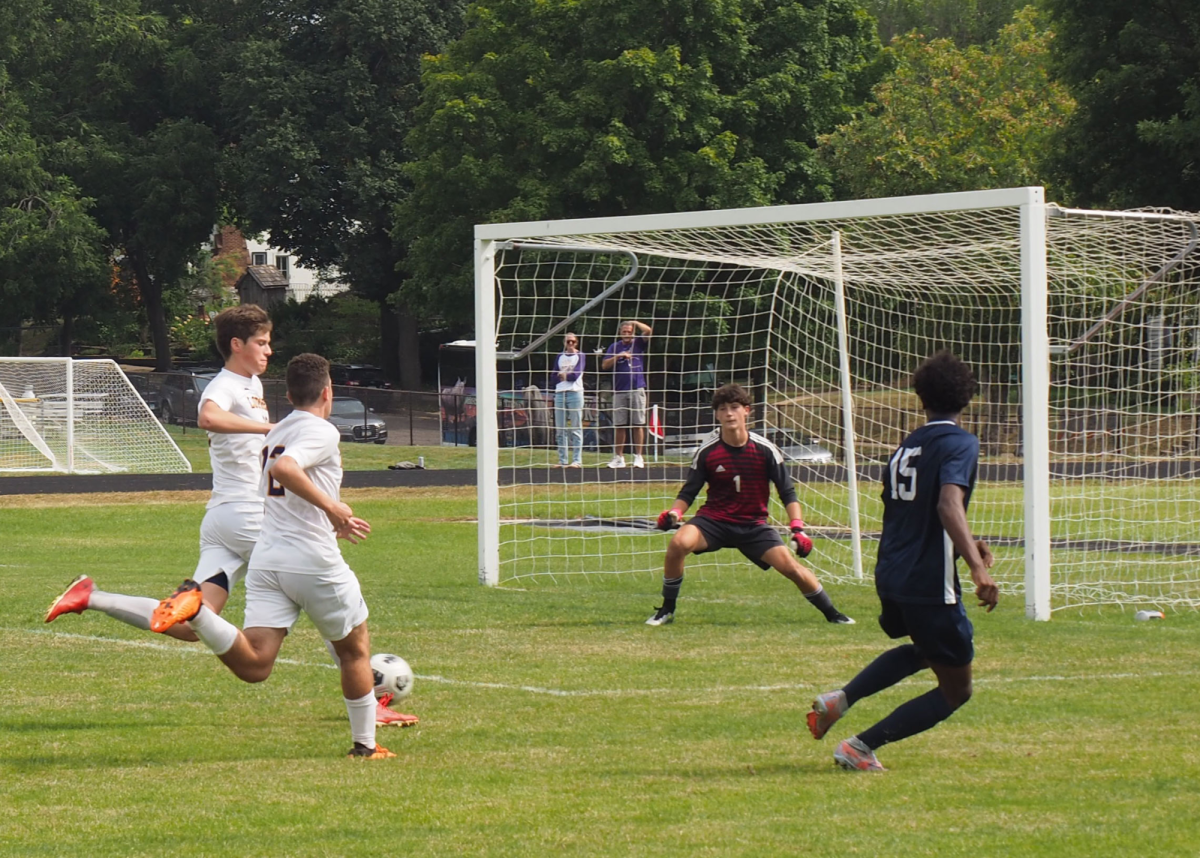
753	540
942	633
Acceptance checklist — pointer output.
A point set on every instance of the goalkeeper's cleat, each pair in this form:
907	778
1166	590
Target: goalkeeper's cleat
661	617
74	599
826	710
385	717
177	608
841	619
852	754
362	752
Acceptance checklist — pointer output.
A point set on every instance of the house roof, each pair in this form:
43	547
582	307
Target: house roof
266	276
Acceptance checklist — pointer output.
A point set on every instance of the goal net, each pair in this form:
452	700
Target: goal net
1083	329
81	417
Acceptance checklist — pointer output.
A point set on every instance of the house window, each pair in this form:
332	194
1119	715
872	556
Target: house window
258	259
281	262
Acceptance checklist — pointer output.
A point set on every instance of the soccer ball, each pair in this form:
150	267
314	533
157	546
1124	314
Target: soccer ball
392	676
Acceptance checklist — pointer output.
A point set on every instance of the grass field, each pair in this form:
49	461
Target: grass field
555	721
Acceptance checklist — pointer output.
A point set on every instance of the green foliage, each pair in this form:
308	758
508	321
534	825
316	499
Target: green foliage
1134	68
549	109
332	327
965	22
950	119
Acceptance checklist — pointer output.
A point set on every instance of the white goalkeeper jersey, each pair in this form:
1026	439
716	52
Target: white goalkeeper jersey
236	457
296	536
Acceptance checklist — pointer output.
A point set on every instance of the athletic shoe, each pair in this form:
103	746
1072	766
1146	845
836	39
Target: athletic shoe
362	752
385	717
661	617
826	710
177	608
854	755
841	619
638	461
617	462
74	599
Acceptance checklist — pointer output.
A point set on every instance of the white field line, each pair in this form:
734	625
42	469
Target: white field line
191	649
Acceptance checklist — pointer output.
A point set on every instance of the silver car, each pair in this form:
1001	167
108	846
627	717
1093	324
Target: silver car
356	422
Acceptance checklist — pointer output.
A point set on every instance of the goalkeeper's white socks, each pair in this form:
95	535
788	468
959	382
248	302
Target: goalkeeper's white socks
362	719
132	610
214	631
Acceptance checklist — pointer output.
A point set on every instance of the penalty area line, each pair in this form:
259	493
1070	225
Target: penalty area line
193	649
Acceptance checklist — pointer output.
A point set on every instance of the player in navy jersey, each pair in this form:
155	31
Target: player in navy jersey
739	468
926	488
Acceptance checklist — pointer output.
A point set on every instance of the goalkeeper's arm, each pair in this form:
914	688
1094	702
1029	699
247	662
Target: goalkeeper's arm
668	519
799	540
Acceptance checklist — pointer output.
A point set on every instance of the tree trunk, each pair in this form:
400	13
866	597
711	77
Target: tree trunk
402	344
151	292
65	334
389	342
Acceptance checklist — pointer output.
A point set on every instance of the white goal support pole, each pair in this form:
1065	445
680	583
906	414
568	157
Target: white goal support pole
485	409
851	459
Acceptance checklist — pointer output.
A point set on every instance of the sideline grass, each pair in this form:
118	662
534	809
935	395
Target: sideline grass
554	720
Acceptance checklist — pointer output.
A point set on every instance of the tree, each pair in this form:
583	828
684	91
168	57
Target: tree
52	259
1134	68
556	109
954	120
119	100
318	104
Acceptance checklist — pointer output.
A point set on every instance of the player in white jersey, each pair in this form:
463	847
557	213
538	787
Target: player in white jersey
233	412
297	564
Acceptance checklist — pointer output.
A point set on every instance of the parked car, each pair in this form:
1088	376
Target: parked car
358	375
180	396
356	422
147	389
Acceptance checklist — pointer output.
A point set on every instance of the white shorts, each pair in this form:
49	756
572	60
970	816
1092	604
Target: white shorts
227	536
333	600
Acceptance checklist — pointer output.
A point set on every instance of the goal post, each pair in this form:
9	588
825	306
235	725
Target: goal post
60	415
1082	327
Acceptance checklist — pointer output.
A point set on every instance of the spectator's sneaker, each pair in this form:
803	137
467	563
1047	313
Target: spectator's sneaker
661	617
177	608
826	710
638	461
74	599
385	717
617	462
854	755
362	752
575	465
841	619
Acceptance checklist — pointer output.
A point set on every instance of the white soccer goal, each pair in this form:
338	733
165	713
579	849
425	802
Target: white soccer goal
1083	328
79	417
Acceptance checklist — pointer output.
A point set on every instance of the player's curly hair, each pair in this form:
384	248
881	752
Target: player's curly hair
730	393
307	376
944	383
243	322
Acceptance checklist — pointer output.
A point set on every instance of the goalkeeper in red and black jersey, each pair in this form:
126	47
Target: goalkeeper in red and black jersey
739	467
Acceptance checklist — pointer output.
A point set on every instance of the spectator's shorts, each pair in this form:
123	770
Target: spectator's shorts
629	407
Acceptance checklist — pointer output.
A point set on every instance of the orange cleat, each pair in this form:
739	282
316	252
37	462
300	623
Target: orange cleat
852	754
362	752
385	717
826	710
74	599
177	608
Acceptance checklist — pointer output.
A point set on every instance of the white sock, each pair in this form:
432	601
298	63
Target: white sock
362	718
132	610
333	653
214	631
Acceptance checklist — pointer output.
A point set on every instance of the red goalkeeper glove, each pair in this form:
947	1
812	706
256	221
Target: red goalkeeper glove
668	519
800	542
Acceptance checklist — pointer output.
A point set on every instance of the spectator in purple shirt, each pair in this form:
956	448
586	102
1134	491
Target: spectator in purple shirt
568	403
627	358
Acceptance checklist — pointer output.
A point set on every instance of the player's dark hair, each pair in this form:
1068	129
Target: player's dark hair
731	393
243	322
307	376
944	383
